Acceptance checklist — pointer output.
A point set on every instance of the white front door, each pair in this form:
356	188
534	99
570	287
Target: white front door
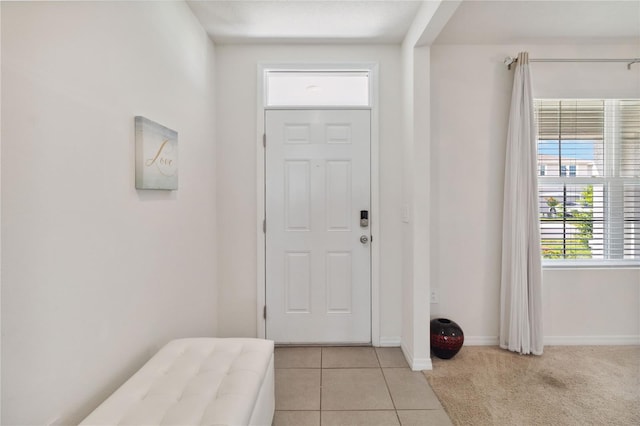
318	255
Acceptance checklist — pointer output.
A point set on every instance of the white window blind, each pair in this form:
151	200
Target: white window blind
589	179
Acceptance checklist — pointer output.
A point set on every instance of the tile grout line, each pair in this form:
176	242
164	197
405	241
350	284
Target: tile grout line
387	385
321	370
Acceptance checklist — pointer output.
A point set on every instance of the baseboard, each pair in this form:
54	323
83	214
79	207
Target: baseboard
481	340
416	364
592	340
561	340
390	342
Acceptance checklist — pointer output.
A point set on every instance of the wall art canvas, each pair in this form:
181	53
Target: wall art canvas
156	155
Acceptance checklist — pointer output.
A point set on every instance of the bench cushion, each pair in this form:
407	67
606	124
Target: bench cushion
200	381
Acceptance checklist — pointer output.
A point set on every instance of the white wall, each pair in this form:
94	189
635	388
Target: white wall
471	92
408	308
236	82
0	217
416	219
96	276
416	187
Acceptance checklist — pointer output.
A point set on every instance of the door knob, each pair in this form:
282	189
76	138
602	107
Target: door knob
364	239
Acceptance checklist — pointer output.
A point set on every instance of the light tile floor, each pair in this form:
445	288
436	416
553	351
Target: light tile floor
352	386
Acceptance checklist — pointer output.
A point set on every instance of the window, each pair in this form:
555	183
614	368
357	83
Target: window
589	180
317	88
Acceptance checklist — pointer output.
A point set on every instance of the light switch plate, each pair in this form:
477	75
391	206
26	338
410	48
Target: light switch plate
405	213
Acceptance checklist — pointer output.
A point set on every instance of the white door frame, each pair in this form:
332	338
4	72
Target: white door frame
372	68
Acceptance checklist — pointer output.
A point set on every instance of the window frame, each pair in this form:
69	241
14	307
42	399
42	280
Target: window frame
608	178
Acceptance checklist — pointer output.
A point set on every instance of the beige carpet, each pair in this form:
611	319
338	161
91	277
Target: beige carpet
567	385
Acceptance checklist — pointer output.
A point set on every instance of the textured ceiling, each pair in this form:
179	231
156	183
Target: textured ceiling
306	21
513	22
387	21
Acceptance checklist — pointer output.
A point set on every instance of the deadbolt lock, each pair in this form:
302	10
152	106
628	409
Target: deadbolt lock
364	218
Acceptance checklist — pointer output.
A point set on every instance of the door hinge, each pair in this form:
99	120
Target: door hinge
264	226
264	312
264	140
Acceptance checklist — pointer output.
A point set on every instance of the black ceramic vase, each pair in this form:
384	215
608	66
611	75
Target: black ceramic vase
446	338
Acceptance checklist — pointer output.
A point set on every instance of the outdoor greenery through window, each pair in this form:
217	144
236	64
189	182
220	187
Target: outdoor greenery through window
589	179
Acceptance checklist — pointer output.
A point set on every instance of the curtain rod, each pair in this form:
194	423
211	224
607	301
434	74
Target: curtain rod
508	61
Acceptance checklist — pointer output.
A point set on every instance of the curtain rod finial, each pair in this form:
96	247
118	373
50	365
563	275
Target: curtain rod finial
509	60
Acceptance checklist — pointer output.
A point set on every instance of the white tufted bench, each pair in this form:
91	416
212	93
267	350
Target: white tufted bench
203	381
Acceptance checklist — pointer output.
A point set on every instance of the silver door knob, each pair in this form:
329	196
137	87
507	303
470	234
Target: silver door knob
364	239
